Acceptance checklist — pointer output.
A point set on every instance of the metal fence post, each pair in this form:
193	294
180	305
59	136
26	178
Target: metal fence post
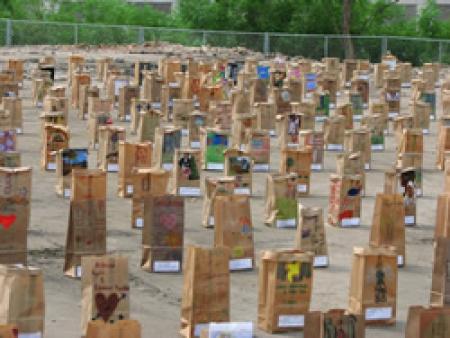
440	51
75	33
266	46
204	38
325	46
141	35
8	37
384	46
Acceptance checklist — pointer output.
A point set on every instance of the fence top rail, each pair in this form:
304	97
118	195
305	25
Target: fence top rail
187	30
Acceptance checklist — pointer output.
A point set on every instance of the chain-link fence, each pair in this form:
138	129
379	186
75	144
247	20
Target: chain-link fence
415	50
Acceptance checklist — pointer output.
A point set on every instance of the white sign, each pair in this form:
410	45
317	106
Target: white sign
67	193
378	313
377	147
184	132
19	130
367	166
214	166
231	330
350	222
242	191
51	166
167	166
173	84
166	266
320	118
113	167
291	321
320	261
261	167
241	264
357	117
410	220
96	146
302	188
287	223
130	189
211	220
393	114
400	261
292	145
272	132
156	105
127	118
338	147
139	222
78	271
316	166
195	144
189	191
30	335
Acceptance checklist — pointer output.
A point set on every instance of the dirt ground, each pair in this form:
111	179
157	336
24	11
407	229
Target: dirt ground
155	298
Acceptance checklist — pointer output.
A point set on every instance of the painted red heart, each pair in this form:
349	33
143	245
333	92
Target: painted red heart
106	306
7	220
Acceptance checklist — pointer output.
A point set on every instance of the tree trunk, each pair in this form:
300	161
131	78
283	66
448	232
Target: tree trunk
346	23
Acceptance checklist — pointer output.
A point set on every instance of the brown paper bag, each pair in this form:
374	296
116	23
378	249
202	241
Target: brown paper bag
388	226
119	329
285	288
146	182
344	208
196	120
138	106
265	116
13	105
289	128
99	114
239	164
181	110
281	200
298	161
351	164
108	150
334	131
167	140
206	289
258	146
373	285
15	198
132	155
105	289
126	95
234	230
314	140
358	140
23	303
86	234
442	228
162	235
335	323
430	322
10	159
66	160
187	170
411	142
149	121
409	191
213	143
308	112
55	138
215	187
310	234
9	331
440	286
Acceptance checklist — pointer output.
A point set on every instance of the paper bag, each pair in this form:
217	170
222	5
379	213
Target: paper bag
55	138
375	124
358	140
138	106
334	131
314	140
388	226
298	161
373	285
213	144
206	289
108	150
334	323
258	146
15	198
167	140
310	234
86	234
10	159
409	191
105	289
119	329
440	286
196	120
344	208
430	322
187	169
215	187
284	290
149	121
239	165
23	303
162	235
265	116
234	230
66	160
126	95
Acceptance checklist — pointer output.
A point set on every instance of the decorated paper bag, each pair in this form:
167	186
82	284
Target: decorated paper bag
258	146
187	170
443	145
23	303
86	91
314	140
392	98
9	331
78	79
132	155
8	140
149	121
284	290
162	235
10	159
409	191
86	234
66	160
334	131
346	111
239	164
168	94
411	142
220	115
99	114
358	140
234	230
15	198
375	124
442	228
357	105
373	285
298	161
421	113
440	285
288	129
344	207
400	123
206	289
382	109
213	144
282	98
335	323
360	84
196	120
14	106
329	82
388	226
138	106
55	138
265	116
151	86
429	322
108	150
146	182
241	123
105	289
311	234
414	161
167	140
181	110
281	200
351	164
126	95
215	187
119	329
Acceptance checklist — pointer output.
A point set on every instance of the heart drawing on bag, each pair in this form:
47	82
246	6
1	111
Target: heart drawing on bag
106	306
7	220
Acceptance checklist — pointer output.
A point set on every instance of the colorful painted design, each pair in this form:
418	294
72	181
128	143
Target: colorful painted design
215	146
72	159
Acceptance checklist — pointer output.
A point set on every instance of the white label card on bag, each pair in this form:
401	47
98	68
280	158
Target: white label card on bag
19	130
320	118
287	223
189	191
113	167
233	330
272	132
316	166
214	166
51	166
139	222
302	188
184	132
350	222
393	114
261	167
167	166
241	264
377	146
128	118
366	166
320	261
378	313
242	191
156	105
78	271
195	144
335	147
400	260
211	220
67	193
166	266
291	321
30	335
410	220
130	189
